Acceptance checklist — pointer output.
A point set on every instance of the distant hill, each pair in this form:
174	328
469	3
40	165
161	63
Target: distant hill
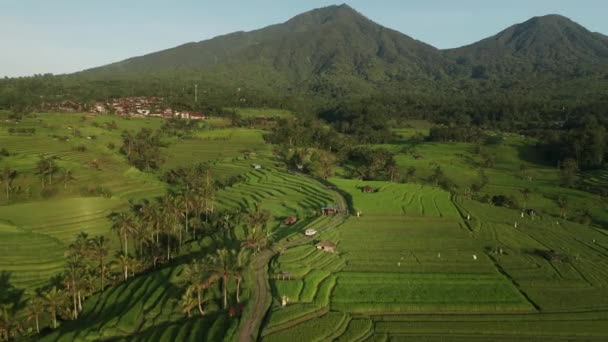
335	43
335	54
550	45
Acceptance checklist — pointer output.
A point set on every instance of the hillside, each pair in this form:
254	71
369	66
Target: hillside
548	45
335	41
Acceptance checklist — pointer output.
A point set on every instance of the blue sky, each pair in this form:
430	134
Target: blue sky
62	36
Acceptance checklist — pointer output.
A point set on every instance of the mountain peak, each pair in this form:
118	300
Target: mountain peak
326	15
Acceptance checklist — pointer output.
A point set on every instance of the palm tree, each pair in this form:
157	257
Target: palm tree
7	177
46	167
124	261
33	311
9	325
99	251
224	264
74	266
237	273
54	300
198	279
123	224
187	302
66	176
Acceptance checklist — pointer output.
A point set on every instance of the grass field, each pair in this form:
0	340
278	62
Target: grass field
410	266
261	112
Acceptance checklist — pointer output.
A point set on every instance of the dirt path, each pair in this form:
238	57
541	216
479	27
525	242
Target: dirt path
261	298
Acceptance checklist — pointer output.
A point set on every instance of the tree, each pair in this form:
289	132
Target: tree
187	302
237	273
99	252
562	202
568	172
7	178
323	164
224	263
124	261
526	194
46	168
123	224
34	309
410	173
54	300
257	237
66	177
197	279
9	325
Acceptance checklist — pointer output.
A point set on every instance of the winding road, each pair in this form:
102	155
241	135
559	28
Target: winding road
260	297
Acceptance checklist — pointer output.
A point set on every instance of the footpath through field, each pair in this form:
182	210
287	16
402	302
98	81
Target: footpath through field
260	297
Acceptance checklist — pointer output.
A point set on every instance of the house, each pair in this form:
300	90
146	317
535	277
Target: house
310	232
368	189
327	246
197	116
329	210
290	220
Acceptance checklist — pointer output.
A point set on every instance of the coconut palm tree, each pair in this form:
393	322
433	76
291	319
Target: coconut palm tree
99	251
124	261
197	278
123	224
66	177
54	300
9	325
224	262
187	302
34	309
7	177
238	271
74	267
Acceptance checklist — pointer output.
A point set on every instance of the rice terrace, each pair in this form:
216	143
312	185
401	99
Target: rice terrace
323	179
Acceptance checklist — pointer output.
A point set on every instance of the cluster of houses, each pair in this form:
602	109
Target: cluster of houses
143	107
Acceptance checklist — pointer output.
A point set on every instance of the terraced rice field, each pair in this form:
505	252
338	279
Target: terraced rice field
392	272
145	309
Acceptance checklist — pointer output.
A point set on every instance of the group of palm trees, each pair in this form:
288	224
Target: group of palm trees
152	232
200	274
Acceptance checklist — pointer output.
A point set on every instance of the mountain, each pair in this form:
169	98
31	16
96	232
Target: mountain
333	45
551	45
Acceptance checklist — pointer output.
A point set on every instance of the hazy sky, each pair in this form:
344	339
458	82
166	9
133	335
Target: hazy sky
60	36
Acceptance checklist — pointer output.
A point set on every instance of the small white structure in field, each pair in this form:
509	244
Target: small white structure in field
522	214
468	217
358	214
310	232
399	264
257	166
474	256
515	225
284	301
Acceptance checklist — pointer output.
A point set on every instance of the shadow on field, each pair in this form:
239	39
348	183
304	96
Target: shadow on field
534	155
9	294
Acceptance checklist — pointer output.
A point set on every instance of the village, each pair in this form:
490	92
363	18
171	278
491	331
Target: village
141	107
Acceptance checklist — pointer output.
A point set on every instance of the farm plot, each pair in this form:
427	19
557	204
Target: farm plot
215	144
391	199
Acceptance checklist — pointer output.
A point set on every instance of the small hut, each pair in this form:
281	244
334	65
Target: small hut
327	246
368	189
257	166
310	232
290	220
329	210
